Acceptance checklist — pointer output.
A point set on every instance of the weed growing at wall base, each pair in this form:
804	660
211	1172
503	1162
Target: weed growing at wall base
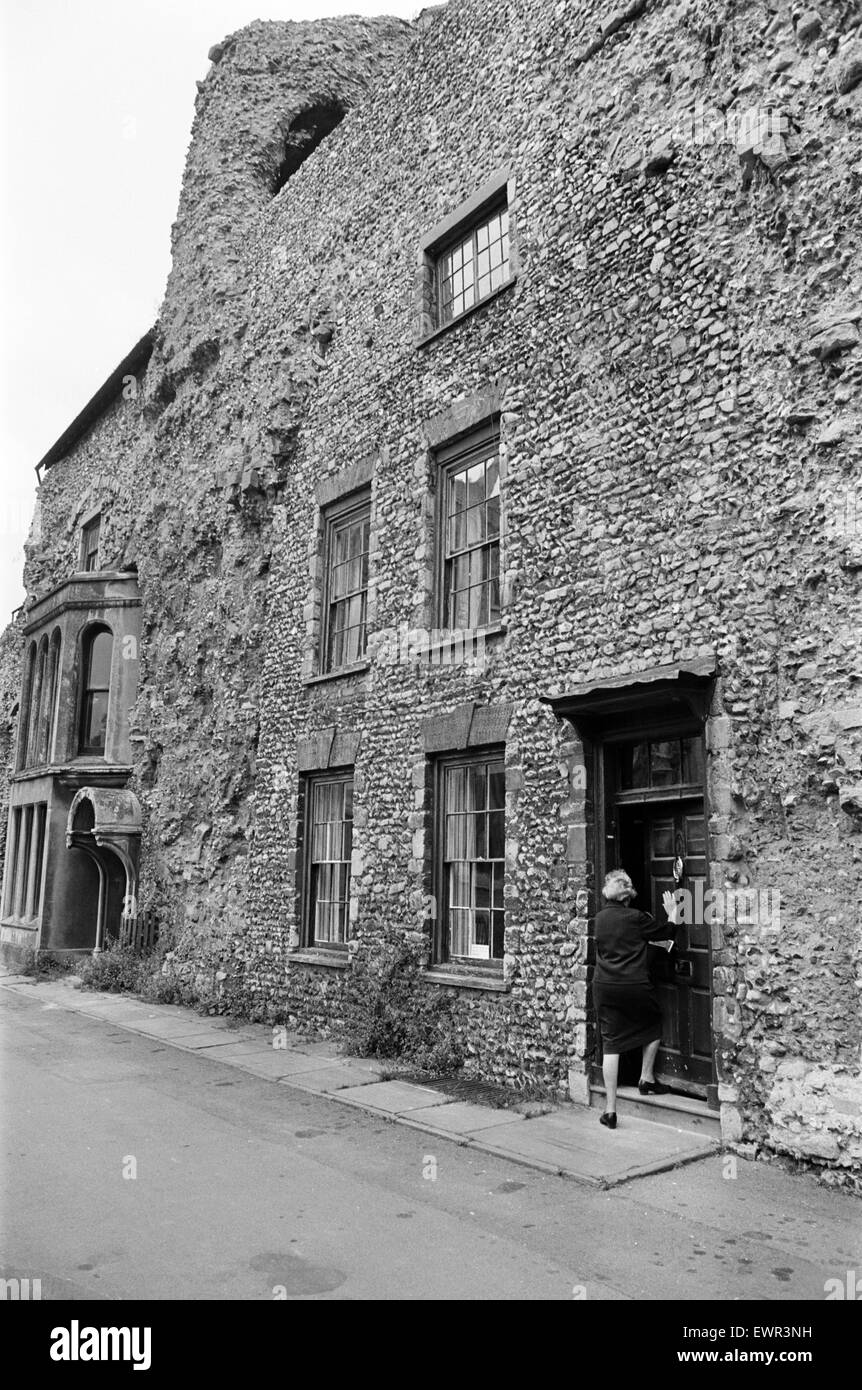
391	1012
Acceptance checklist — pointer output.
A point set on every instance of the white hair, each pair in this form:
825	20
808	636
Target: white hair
618	887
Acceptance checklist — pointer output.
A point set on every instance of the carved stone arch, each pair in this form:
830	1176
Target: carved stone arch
107	820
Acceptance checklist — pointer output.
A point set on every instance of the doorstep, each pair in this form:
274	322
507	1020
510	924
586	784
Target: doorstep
682	1112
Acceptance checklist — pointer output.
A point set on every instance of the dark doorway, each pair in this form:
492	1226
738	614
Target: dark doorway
655	824
663	848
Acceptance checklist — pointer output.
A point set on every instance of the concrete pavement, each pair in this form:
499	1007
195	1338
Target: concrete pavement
568	1142
139	1164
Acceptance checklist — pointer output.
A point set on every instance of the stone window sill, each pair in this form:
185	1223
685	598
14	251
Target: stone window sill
333	960
464	979
356	669
465	313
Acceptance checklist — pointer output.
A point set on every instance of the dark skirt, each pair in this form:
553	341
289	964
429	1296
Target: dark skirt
629	1015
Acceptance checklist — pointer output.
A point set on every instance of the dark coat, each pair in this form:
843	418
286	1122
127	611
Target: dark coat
622	934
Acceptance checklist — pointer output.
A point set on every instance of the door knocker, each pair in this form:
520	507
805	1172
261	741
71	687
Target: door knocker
679	862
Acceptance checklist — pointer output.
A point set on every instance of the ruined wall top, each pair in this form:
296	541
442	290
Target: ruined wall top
275	90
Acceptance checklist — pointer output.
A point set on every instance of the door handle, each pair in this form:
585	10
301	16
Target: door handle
683	967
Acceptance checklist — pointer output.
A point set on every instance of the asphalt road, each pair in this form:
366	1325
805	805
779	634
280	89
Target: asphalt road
132	1169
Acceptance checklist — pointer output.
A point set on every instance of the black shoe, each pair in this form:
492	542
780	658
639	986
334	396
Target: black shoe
652	1088
609	1119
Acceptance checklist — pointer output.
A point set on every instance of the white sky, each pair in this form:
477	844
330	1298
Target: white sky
96	106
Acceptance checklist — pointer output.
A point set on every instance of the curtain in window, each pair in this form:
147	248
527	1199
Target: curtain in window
474	855
331	849
473	544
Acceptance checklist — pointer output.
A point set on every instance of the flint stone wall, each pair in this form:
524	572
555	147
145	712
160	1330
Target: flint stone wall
677	369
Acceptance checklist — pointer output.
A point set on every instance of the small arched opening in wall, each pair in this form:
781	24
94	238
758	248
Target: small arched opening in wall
304	133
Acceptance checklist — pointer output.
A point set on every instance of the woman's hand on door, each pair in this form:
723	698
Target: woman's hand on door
673	907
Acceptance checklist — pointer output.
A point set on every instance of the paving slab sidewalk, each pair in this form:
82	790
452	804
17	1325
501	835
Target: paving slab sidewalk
569	1141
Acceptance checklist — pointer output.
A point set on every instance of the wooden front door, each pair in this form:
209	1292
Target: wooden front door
674	850
657	832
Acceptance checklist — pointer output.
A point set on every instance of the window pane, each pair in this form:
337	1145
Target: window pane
475	525
90	545
496	786
457	532
482	886
497	893
37	847
456	788
476	484
665	763
634	766
25	850
459	932
494	607
476	786
339	585
336	649
339	543
497	923
457	492
95	720
456	837
459	885
458	613
692	760
496	835
460	570
482	932
99	673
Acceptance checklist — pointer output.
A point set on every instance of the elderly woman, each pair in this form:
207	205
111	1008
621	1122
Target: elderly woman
626	1002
